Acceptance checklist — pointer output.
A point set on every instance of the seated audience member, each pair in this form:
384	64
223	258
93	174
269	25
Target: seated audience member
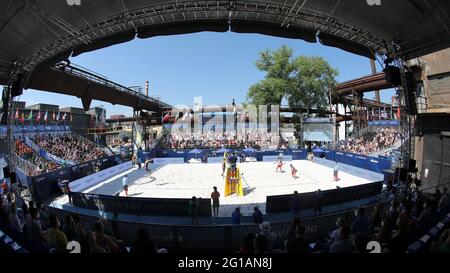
360	223
266	231
248	244
236	217
56	238
299	244
343	244
261	244
360	242
143	244
103	240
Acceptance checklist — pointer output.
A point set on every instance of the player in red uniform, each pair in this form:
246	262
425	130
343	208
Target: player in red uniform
279	165
294	172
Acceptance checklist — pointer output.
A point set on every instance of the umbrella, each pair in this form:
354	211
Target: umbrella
195	151
317	150
250	150
222	150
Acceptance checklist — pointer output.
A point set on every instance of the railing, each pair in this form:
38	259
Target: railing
82	73
28	167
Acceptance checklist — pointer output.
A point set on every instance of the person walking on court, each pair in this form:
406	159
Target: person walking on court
336	172
125	184
215	199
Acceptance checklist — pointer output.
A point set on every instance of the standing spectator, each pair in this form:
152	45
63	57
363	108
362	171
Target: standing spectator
215	201
318	205
257	216
296	204
56	237
299	244
291	234
236	217
360	223
193	210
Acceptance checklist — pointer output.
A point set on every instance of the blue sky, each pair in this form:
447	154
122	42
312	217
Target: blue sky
215	66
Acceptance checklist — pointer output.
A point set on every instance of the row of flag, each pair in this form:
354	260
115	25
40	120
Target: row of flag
40	116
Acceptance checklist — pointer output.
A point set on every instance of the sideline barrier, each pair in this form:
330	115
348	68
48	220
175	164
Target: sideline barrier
308	200
44	186
139	205
97	178
215	238
375	164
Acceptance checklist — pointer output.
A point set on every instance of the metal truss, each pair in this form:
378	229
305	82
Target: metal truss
184	11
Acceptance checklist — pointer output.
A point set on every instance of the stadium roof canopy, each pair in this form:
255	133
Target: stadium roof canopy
38	33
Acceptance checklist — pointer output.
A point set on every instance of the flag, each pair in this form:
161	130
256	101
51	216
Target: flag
166	118
64	117
398	112
45	116
22	118
71	117
30	117
54	115
16	116
38	118
57	117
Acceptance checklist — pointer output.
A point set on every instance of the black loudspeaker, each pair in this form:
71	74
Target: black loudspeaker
411	87
401	174
17	86
412	166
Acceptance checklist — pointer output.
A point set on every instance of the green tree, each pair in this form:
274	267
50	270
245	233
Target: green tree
304	81
279	68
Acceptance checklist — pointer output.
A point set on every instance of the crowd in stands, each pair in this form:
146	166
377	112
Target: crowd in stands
39	231
69	147
384	138
26	153
215	140
395	224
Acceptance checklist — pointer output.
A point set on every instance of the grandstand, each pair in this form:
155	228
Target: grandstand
375	172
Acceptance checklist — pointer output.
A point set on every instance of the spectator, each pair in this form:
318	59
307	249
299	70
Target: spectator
360	242
236	217
257	216
400	240
261	244
299	244
14	219
335	234
56	238
35	231
69	229
103	240
291	234
318	204
215	201
271	237
296	204
248	244
93	247
343	244
360	223
193	210
143	244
